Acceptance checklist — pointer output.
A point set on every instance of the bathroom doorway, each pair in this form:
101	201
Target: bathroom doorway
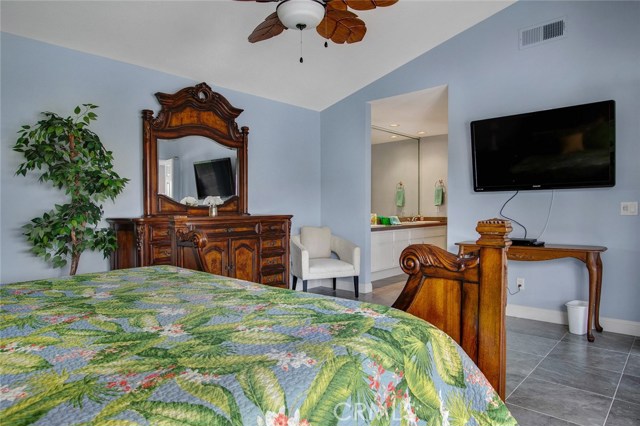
409	166
409	138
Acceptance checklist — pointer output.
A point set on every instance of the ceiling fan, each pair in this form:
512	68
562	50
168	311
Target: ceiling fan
331	18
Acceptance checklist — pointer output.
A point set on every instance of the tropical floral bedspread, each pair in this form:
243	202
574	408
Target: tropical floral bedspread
170	346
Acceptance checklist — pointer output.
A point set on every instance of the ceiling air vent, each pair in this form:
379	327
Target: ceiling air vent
542	33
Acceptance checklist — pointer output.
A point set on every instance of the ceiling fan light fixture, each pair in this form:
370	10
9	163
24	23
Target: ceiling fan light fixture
300	14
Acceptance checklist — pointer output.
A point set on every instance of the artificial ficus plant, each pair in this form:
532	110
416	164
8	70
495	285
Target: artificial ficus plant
71	157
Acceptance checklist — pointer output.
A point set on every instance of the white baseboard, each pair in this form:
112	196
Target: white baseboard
613	325
386	273
341	284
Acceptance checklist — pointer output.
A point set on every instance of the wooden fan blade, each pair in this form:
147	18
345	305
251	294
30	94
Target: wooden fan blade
342	26
271	27
336	4
363	4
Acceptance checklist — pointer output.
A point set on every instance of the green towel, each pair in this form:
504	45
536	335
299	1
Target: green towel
438	198
400	197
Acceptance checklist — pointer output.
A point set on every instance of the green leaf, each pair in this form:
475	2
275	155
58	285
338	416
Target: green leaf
260	337
225	364
81	332
105	325
18	363
418	351
121	366
126	337
425	397
215	395
8	320
122	403
447	360
34	339
179	414
144	321
195	318
332	386
261	386
198	347
459	409
497	414
54	392
77	110
385	354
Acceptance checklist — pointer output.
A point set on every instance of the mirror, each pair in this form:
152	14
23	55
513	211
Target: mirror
395	174
176	158
195	124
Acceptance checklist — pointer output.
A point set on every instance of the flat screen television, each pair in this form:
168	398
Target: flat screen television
570	147
214	177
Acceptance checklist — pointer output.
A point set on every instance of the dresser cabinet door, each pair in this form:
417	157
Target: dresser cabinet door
216	257
244	255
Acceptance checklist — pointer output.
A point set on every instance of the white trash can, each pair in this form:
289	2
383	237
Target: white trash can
577	311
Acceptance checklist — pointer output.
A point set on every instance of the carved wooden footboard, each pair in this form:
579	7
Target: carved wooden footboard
464	296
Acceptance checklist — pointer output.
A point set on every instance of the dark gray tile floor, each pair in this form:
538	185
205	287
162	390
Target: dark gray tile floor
555	377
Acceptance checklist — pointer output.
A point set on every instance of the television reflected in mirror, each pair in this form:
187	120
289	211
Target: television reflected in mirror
214	178
569	147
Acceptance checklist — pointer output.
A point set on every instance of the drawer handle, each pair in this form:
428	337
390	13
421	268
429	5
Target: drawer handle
230	229
272	261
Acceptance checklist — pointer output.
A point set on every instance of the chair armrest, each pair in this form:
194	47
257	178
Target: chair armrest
346	251
299	259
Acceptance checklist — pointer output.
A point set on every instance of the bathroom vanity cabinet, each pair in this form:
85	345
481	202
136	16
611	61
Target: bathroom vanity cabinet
388	242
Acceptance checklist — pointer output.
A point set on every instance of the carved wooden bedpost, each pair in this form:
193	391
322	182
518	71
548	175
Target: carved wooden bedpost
492	299
465	296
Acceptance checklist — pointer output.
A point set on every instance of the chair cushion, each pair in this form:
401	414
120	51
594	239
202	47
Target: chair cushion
329	268
316	240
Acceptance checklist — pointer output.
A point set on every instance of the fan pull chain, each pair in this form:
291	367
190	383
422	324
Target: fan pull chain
301	60
301	27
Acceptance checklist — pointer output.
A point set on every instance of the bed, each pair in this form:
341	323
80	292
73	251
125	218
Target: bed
163	345
158	343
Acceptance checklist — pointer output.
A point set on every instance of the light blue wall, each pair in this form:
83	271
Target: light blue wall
284	141
488	75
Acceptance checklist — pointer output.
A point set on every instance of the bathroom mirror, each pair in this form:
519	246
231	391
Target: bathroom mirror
395	173
176	159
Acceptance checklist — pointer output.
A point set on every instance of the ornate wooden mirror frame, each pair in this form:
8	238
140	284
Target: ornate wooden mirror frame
192	111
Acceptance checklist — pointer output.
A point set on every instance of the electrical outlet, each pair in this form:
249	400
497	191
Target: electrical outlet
629	208
520	283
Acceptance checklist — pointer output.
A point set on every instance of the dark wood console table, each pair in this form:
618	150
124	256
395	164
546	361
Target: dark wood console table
589	255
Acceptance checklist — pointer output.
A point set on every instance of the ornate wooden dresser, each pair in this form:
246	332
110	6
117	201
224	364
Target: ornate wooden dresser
231	243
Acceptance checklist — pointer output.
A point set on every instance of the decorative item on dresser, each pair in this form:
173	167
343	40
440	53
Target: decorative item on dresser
195	124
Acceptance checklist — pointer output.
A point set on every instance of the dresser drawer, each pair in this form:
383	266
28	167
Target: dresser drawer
160	254
269	261
232	229
159	233
274	227
277	279
273	243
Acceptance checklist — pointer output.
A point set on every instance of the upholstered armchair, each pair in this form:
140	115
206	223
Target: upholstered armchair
311	257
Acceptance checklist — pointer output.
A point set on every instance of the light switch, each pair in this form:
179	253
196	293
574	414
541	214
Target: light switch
629	208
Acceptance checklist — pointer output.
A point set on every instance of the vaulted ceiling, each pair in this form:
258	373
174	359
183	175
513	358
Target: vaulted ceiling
207	41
